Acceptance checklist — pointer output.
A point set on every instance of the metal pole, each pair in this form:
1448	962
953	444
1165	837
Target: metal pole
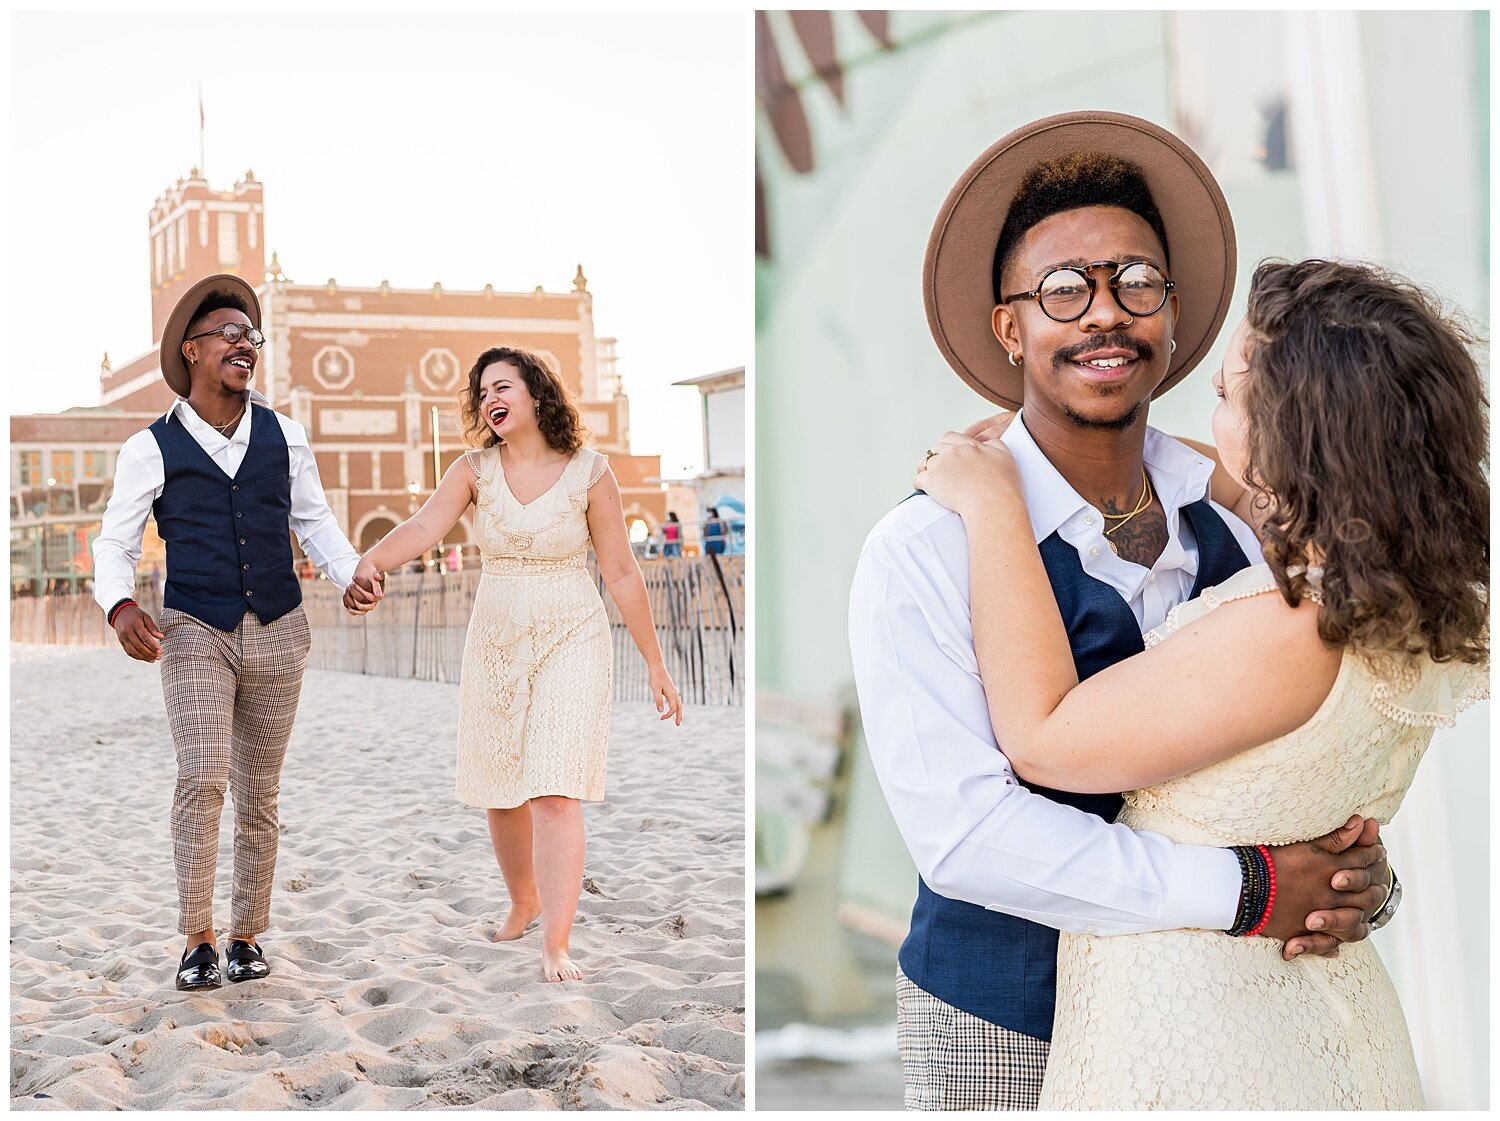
437	477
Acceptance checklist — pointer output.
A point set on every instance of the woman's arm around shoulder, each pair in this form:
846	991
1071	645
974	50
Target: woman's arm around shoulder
1242	675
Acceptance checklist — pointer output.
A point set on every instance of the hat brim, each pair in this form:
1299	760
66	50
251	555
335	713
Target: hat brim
957	285
173	366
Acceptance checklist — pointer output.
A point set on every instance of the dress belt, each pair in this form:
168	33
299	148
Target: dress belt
516	566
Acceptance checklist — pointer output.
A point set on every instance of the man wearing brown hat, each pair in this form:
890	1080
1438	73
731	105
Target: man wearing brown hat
1083	263
227	480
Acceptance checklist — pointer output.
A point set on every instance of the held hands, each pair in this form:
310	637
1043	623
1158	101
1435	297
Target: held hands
138	634
1328	888
365	589
962	473
664	693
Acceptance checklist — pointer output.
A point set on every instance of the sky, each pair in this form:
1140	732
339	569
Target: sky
460	148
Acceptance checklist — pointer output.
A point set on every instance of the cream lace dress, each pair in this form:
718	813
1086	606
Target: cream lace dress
535	694
1190	1019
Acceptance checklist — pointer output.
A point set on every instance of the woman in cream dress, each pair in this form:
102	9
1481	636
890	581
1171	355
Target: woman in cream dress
1268	707
535	697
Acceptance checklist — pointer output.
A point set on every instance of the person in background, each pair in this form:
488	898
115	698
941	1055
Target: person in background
714	533
671	533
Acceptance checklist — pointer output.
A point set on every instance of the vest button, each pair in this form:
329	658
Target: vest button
236	486
238	514
242	540
246	567
249	594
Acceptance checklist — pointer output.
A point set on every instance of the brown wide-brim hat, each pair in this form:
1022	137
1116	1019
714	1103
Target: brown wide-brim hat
957	284
173	367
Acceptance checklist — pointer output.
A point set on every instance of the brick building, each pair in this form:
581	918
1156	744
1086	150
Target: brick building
373	373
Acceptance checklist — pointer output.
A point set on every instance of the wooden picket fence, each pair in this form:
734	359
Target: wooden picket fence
698	604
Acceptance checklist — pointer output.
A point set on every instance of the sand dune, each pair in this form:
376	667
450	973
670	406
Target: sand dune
386	991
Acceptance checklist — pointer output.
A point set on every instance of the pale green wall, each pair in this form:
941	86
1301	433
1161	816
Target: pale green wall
849	386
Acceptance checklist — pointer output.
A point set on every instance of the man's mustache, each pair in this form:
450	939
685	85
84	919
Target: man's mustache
1113	340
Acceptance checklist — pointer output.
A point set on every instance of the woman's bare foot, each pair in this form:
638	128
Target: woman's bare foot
517	921
558	966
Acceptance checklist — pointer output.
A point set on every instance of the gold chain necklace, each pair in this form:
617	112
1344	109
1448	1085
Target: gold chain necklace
223	429
1147	497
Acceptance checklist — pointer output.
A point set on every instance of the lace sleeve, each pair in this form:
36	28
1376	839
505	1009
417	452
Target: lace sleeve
1253	581
1427	695
597	468
589	469
476	464
482	463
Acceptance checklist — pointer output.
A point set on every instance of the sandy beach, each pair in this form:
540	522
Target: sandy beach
387	992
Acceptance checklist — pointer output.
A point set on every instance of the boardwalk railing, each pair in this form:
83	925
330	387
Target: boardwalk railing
418	631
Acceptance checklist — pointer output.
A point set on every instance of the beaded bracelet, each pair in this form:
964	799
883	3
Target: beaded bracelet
1259	887
1271	895
119	607
1259	890
1242	910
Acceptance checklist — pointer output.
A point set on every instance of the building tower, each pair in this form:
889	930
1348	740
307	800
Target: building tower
196	231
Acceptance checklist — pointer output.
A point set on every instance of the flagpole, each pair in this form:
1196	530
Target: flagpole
203	170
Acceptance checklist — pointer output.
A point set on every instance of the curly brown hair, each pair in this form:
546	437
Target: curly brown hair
1368	436
556	415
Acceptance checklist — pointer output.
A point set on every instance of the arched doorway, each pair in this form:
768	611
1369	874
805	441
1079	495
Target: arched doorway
373	531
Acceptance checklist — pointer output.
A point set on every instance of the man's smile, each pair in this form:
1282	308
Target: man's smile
1105	362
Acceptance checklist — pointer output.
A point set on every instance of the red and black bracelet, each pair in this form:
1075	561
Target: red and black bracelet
1270	893
119	607
1259	891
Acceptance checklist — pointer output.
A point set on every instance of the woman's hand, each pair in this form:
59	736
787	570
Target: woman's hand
664	693
962	473
991	427
365	589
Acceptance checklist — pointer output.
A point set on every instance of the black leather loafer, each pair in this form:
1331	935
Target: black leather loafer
245	962
200	969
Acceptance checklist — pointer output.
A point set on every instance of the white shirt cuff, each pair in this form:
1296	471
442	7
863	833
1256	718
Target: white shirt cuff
1205	890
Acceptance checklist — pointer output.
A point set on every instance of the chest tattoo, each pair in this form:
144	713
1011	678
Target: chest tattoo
1143	538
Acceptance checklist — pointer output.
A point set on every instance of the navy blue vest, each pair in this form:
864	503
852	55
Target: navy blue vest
996	966
229	547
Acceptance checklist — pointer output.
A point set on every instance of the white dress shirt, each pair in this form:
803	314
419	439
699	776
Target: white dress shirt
140	476
974	832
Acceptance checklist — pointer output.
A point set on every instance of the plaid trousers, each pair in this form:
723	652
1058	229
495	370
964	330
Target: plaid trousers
953	1060
231	698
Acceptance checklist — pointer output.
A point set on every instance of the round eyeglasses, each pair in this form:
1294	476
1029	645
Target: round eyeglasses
232	333
1067	293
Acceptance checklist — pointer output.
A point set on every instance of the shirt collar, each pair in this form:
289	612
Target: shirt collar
1179	476
193	422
